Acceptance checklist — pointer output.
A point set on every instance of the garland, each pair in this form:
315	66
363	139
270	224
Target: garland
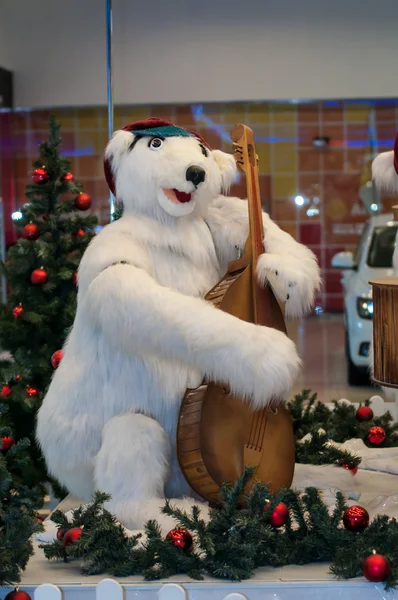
234	542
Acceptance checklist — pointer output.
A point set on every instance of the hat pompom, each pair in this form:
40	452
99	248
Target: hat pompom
385	170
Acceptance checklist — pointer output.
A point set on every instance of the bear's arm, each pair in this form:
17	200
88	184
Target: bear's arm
127	309
290	267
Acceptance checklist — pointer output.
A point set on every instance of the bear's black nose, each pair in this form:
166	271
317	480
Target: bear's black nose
195	175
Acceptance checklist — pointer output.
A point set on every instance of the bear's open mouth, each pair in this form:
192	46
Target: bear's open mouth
177	196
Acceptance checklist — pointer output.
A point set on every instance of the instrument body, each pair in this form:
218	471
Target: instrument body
218	434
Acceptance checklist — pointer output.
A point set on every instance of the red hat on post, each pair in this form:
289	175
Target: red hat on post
385	169
153	127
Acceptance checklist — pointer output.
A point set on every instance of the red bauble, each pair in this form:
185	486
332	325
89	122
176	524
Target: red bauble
364	413
18	594
83	201
5	391
17	378
376	568
56	358
67	177
355	518
72	535
78	233
279	515
7	443
376	435
61	534
32	391
31	231
349	467
40	518
40	175
74	278
39	277
17	311
180	538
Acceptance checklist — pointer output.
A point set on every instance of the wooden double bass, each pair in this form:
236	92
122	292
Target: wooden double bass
218	434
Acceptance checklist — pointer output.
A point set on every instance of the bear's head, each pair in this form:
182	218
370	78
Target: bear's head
159	169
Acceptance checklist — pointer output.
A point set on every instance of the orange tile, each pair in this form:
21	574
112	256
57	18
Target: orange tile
284	158
309	159
68	141
310	185
22	168
306	133
308	113
333	160
283	210
184	116
39	119
355	159
163	111
20	121
283	113
211	137
239	189
259	113
90	166
335	133
385	113
332	114
265	190
291	229
386	135
283	186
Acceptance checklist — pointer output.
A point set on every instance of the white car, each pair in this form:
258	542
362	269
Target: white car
372	259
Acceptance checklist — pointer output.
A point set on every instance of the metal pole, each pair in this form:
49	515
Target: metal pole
109	77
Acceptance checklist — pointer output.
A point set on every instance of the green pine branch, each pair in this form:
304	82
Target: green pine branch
236	540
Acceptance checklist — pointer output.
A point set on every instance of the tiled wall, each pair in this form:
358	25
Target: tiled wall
332	215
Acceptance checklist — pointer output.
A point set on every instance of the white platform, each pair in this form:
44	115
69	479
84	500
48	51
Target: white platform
310	582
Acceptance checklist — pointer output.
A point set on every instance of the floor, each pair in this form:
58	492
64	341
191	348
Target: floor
320	343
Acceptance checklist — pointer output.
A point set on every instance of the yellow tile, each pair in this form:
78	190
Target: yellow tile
137	113
233	113
283	113
259	113
285	158
283	186
88	118
264	157
66	118
102	117
286	134
356	113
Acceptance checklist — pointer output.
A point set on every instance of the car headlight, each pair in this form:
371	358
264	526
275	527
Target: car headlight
365	308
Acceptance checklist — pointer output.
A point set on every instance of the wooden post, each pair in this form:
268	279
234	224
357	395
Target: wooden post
385	331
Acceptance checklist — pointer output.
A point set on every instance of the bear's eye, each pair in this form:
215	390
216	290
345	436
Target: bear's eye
155	143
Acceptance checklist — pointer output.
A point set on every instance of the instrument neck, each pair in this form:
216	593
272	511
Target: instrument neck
256	230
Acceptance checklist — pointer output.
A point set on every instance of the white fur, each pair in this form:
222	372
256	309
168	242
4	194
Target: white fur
143	333
383	172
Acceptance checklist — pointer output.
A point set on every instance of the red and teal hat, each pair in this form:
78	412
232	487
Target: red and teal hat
153	127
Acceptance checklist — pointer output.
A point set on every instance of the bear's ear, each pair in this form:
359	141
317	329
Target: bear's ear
227	166
384	173
117	146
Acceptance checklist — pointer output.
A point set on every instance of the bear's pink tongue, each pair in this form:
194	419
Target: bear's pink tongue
182	196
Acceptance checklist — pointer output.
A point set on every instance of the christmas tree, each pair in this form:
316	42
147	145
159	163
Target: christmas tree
18	503
41	273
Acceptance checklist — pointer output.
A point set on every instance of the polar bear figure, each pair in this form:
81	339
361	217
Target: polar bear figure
143	332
